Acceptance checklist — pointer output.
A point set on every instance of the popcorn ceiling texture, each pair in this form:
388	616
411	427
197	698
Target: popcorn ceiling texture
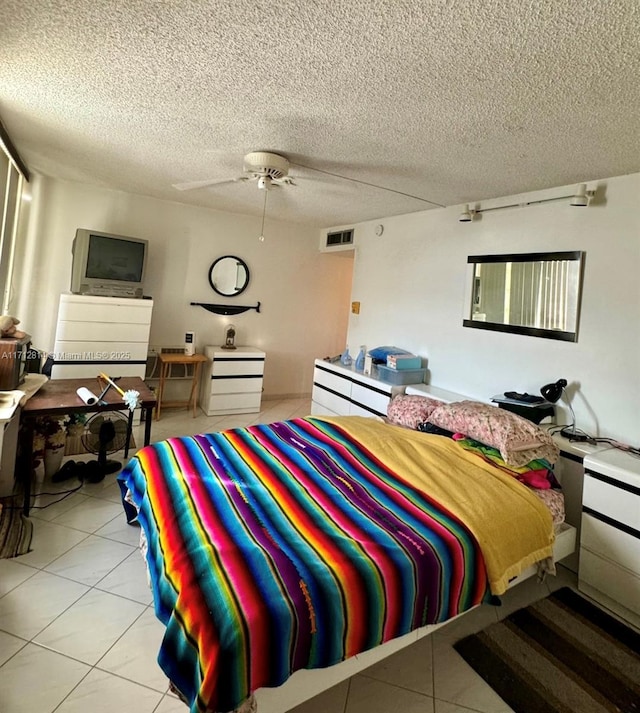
449	101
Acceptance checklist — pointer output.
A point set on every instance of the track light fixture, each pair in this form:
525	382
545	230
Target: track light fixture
580	198
466	216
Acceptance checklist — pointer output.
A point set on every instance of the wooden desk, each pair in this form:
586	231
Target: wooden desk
58	397
166	362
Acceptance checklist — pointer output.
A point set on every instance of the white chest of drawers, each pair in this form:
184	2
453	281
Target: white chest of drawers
232	380
610	539
342	391
94	334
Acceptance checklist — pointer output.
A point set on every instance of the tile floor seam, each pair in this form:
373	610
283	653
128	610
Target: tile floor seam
57	616
395	685
130	680
15	653
346	698
89	589
73	689
433	672
77	529
35	571
458	705
91	586
121	635
57	557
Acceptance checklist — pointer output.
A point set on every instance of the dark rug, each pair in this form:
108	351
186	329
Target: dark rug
560	655
16	530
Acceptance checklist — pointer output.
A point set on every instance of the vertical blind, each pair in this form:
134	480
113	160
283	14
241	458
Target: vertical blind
11	186
538	293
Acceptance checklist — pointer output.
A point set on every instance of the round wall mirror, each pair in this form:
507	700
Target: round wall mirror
229	275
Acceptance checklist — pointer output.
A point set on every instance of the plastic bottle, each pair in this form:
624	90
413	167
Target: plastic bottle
360	358
346	359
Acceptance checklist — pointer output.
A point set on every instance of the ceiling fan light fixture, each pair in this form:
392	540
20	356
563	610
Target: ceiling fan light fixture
265	163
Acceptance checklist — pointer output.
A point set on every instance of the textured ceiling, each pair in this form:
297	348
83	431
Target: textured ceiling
444	100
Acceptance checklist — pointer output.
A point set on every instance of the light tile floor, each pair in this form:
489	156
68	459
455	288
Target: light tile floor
78	633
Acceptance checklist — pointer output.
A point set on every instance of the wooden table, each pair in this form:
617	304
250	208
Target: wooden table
58	397
166	362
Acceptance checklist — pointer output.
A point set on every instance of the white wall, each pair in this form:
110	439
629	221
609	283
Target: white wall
411	285
304	294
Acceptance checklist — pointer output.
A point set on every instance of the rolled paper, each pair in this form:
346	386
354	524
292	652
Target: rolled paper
86	396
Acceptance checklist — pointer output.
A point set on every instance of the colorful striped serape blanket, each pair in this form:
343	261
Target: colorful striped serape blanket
292	545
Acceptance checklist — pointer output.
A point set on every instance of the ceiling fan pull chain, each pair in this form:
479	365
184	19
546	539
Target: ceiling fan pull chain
264	210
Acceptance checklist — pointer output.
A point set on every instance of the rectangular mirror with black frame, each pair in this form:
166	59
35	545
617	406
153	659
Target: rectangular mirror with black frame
536	294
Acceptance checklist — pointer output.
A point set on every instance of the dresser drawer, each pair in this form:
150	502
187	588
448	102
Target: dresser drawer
102	332
89	371
320	410
234	403
125	312
239	385
610	542
331	402
332	382
366	401
619	503
237	367
615	582
100	351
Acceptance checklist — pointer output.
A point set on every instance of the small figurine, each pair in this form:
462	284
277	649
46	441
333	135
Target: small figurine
229	337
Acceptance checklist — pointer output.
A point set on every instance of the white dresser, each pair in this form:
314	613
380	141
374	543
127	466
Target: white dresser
342	391
232	380
610	539
94	334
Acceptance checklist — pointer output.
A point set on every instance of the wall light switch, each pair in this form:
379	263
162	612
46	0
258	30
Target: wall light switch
355	308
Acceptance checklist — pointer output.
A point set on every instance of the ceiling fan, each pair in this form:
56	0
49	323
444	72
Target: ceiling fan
268	169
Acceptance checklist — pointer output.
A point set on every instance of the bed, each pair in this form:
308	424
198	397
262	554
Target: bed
305	543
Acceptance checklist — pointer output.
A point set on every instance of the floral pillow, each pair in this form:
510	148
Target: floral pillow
518	440
409	411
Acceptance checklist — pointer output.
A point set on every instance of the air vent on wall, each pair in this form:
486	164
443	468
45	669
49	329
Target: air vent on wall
342	237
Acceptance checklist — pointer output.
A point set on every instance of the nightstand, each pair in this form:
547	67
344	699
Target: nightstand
232	381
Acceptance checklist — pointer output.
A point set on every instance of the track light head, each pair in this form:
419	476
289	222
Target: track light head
466	216
582	196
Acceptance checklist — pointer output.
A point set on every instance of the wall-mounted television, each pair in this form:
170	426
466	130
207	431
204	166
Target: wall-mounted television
108	265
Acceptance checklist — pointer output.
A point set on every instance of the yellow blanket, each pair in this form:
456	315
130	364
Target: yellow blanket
513	528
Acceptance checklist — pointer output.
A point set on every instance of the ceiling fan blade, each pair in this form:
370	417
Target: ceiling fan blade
192	185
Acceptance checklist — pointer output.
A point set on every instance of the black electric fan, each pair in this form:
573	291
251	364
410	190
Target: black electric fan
104	433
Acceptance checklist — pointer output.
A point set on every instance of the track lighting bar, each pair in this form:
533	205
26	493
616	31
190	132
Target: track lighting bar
580	198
